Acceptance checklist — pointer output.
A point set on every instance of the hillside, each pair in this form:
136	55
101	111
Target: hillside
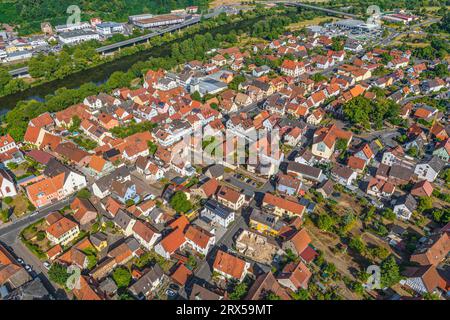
30	13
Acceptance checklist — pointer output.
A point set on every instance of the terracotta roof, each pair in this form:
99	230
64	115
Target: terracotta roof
42	120
229	264
97	163
31	135
356	163
45	187
433	253
228	194
50	141
143	230
210	187
86	292
60	227
285	204
173	241
54	251
298	274
198	235
309	254
40	156
179	223
181	275
422	188
300	240
266	283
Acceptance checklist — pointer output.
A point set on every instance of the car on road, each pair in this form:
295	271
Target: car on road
34	213
170	293
47	265
28	268
20	261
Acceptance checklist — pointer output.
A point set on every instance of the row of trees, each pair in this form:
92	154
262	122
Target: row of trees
9	85
30	13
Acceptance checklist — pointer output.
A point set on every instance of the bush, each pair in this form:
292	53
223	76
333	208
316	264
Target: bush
84	194
122	277
40	236
180	203
8	200
239	291
325	222
58	274
358	245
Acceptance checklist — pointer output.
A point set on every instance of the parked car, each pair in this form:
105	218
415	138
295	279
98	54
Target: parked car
47	265
170	293
28	268
20	261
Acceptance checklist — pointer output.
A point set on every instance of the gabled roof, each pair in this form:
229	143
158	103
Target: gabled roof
300	240
144	230
60	227
228	264
285	204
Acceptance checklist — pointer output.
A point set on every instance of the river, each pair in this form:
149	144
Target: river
101	73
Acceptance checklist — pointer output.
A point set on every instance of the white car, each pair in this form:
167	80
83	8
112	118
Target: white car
34	213
28	268
20	261
47	265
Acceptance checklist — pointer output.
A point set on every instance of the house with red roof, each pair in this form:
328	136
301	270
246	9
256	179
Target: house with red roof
295	276
145	234
293	68
62	231
230	267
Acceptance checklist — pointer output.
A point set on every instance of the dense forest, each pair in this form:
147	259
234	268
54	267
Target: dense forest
360	6
30	13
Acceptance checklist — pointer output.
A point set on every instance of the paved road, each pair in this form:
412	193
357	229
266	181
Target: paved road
9	231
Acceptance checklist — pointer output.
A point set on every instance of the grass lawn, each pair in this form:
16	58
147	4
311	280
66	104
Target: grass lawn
20	204
413	40
84	142
33	237
153	257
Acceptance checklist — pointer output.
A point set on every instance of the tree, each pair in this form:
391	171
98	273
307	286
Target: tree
4	215
180	203
358	245
425	203
239	291
122	277
8	200
237	80
337	44
5	78
84	194
431	296
389	214
341	145
76	121
390	272
413	152
301	294
380	252
325	222
272	296
196	96
58	274
152	147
